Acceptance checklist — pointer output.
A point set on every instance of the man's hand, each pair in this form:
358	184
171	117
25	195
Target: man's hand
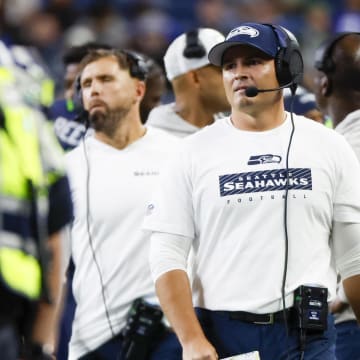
337	306
40	352
352	291
199	349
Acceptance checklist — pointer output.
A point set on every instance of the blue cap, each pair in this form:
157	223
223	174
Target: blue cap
260	36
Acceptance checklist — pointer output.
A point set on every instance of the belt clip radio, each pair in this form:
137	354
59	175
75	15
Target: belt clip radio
144	328
311	307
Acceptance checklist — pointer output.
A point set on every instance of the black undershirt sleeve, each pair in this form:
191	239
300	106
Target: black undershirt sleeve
60	205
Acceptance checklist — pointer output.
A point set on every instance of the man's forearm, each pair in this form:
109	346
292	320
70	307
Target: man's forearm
45	326
173	289
169	252
352	291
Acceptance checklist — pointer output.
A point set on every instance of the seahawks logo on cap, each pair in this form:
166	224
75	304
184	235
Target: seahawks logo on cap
243	30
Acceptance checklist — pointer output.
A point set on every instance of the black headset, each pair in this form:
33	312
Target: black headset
138	69
289	64
324	61
193	46
323	55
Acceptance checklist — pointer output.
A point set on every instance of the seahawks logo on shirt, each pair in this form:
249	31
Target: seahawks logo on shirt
264	159
267	180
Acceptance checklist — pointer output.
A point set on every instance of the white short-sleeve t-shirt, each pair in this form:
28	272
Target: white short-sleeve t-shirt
111	189
226	190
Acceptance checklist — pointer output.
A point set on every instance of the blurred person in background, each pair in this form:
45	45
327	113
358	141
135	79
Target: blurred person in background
317	27
337	89
32	76
291	15
155	86
215	14
42	29
35	207
107	24
152	29
303	103
12	16
259	10
348	18
197	85
282	12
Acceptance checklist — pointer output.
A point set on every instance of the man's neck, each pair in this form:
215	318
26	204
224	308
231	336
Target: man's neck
261	121
125	134
340	108
193	112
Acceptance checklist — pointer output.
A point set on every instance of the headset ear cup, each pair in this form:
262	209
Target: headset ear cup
296	66
140	69
77	97
289	66
282	68
193	47
137	65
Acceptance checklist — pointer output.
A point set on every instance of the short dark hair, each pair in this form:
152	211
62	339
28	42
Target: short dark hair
125	59
97	54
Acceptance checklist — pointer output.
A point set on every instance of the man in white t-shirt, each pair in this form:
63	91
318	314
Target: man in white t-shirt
111	175
263	196
337	88
197	84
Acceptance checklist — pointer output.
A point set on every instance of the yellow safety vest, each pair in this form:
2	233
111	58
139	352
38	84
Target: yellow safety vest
25	176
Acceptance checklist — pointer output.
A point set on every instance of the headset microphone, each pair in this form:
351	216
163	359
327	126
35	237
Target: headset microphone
253	91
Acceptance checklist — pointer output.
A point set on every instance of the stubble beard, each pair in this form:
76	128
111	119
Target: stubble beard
108	121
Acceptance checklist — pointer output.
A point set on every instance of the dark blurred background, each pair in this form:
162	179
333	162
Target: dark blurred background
150	25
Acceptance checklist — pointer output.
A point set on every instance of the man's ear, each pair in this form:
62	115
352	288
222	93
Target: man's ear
193	75
325	86
140	89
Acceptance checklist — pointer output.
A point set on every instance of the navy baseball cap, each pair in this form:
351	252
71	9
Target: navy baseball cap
260	36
